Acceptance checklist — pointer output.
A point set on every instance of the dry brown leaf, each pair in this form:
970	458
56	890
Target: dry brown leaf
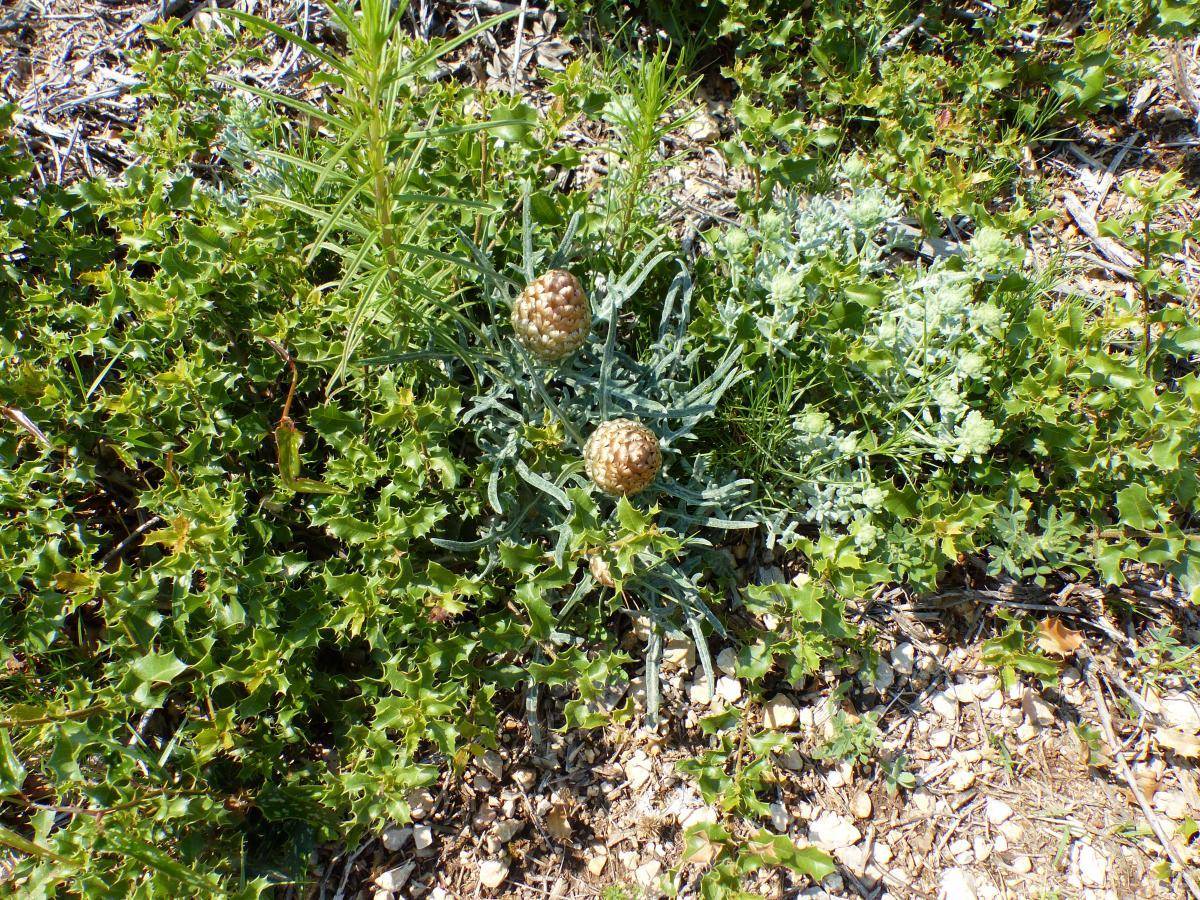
1054	637
558	824
1184	744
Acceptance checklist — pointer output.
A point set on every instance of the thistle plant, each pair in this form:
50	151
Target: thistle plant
588	456
622	457
551	317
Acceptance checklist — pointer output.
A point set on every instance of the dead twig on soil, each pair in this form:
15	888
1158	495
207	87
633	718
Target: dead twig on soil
1183	84
517	48
1108	248
1088	662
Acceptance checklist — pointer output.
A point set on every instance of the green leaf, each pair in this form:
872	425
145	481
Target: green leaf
12	772
158	668
160	862
24	845
1136	508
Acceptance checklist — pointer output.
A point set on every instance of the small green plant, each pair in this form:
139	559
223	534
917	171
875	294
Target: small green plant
649	87
853	739
739	766
1014	650
896	775
360	174
1164	655
730	859
1157	286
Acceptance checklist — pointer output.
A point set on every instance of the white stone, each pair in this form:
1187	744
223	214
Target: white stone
524	777
647	873
1172	804
982	847
834	883
394	879
491	763
422	837
961	779
492	872
1012	830
395	838
903	658
727	662
780	713
1022	865
1092	865
598	860
997	811
507	830
703	128
884	676
987	686
679	653
638	769
729	689
1000	844
780	819
1028	732
960	852
923	800
1037	711
862	806
853	858
420	804
698	691
637	690
964	693
956	884
944	704
940	739
1182	711
882	853
831	831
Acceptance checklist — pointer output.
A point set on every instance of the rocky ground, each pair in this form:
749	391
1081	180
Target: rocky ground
1017	791
1087	787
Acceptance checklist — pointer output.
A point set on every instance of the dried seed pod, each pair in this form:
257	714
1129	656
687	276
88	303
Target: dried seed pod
552	316
622	457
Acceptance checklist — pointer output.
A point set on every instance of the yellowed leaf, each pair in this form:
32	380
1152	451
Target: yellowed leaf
1056	638
1182	743
700	850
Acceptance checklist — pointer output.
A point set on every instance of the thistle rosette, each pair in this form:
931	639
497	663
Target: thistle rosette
622	457
552	316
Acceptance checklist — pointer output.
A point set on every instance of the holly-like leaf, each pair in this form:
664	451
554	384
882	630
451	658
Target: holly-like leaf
1056	638
1136	509
158	668
1181	742
12	772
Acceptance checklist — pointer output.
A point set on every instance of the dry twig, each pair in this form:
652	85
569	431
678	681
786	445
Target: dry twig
1088	664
